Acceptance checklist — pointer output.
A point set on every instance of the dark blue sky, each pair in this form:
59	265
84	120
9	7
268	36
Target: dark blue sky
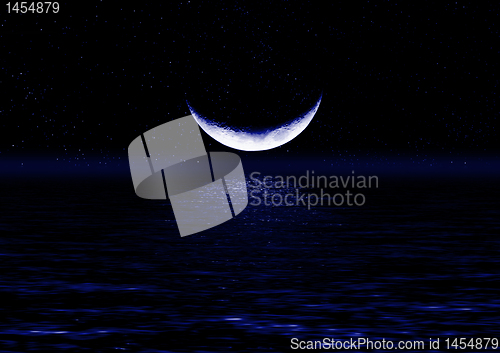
409	84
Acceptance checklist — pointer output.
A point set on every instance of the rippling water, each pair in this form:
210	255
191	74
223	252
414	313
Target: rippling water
88	266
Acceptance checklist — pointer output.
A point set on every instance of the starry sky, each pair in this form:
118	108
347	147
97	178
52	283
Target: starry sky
402	83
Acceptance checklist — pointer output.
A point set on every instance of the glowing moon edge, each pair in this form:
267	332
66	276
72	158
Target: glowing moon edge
253	141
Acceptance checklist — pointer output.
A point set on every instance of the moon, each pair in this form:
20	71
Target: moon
247	140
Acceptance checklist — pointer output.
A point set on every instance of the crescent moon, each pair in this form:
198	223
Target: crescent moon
255	141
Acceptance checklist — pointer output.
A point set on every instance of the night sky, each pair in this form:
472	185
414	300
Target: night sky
402	84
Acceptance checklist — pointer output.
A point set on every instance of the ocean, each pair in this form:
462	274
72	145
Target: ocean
87	266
